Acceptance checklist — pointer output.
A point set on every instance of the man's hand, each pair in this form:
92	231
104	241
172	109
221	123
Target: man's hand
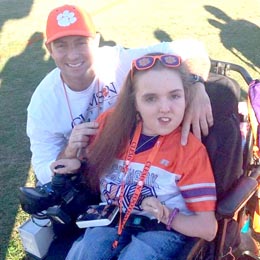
198	114
79	139
68	166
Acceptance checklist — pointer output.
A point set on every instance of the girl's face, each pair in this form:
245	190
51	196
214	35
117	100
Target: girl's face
160	100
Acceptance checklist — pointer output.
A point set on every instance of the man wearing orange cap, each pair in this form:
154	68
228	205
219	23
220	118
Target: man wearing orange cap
86	82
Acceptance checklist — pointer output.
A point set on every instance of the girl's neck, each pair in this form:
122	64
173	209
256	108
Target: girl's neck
146	142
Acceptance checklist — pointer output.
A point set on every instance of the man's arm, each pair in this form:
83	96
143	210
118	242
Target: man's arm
78	140
198	114
45	147
194	54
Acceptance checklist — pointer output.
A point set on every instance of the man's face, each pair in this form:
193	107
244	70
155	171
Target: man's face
74	55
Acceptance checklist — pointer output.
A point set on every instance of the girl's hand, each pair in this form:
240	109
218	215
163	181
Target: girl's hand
154	206
63	166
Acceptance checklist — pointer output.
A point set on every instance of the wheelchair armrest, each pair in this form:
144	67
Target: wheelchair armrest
237	197
255	173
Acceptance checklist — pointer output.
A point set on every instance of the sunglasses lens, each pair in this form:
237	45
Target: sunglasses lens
144	62
170	60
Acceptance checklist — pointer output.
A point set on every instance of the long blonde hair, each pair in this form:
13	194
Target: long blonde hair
119	126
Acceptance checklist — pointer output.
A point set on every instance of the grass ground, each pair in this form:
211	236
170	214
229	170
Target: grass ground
229	29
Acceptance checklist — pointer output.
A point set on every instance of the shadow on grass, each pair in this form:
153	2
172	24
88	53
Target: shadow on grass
103	42
20	75
9	10
162	36
238	36
254	57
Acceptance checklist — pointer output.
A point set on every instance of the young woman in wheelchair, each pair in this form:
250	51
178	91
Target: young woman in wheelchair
165	191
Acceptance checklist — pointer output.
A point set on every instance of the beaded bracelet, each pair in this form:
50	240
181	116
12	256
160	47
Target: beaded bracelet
171	218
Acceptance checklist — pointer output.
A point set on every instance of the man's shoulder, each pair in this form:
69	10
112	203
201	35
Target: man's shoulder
105	52
51	79
48	83
45	90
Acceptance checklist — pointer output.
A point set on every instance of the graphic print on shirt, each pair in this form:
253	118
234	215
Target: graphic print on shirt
111	189
101	100
111	193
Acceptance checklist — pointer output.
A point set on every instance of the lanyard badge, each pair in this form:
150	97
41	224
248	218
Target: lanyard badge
129	158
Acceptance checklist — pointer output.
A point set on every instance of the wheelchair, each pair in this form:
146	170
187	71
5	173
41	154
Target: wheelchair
237	171
239	177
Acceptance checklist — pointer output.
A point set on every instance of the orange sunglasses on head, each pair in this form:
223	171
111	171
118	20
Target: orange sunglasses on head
147	62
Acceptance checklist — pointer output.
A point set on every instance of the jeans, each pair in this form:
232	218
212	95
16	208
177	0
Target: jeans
96	244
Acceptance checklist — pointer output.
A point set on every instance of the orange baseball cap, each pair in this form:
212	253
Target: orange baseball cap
69	20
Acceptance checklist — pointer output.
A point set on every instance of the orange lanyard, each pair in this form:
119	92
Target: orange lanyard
67	98
129	158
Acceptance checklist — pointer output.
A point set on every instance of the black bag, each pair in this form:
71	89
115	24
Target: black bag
224	145
224	140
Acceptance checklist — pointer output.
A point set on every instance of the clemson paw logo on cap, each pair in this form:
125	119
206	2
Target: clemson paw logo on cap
66	18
